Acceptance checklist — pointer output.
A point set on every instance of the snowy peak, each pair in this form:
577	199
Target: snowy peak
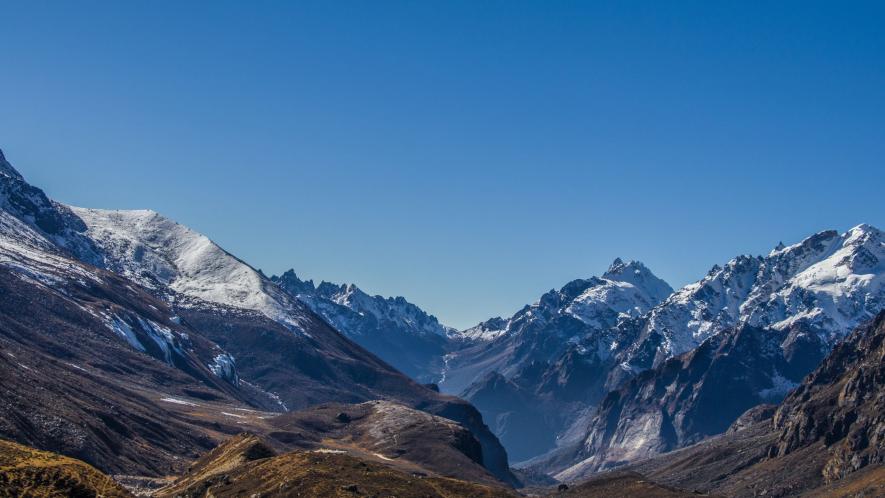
836	282
486	331
814	244
624	290
394	329
828	281
638	275
867	244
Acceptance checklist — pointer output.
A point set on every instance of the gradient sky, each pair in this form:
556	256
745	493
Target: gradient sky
467	155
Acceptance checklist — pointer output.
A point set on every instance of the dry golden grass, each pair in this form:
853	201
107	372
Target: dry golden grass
227	471
26	472
868	482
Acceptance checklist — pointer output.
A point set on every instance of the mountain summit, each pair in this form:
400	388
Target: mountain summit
638	275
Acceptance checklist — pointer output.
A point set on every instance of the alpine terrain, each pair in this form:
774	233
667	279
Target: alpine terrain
138	357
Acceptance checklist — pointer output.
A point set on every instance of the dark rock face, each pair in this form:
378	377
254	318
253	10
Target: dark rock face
842	404
697	395
825	438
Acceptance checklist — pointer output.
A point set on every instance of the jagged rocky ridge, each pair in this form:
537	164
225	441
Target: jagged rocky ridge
396	330
828	282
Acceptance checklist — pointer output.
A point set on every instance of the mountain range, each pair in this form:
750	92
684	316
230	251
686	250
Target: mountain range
136	344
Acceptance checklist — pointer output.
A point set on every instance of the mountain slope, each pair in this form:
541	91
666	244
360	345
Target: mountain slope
582	309
28	472
182	317
161	254
245	465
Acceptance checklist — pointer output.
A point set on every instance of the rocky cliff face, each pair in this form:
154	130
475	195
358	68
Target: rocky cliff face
842	404
697	394
824	439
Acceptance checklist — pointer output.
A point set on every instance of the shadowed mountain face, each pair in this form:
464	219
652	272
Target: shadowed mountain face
825	436
109	315
695	395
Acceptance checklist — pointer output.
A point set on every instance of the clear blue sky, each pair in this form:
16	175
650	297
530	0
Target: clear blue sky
467	155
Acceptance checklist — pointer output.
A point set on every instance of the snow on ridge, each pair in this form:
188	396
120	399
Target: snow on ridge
486	331
156	251
351	310
828	280
625	290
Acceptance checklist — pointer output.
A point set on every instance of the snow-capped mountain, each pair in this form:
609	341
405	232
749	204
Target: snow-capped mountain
396	330
581	310
546	364
829	432
757	325
830	282
546	369
683	400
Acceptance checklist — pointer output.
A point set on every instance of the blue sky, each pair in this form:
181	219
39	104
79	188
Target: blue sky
467	155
